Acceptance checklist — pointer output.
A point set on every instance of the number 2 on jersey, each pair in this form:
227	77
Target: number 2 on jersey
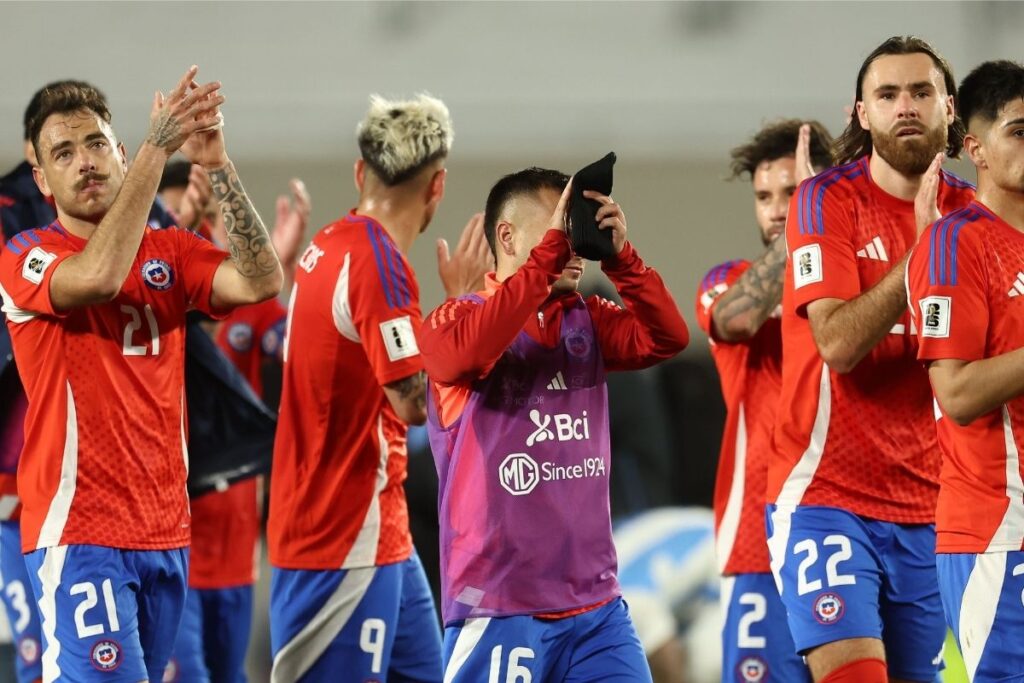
134	325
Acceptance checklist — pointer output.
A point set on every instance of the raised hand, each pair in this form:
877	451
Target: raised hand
610	217
463	271
174	118
804	166
292	219
196	200
926	202
206	144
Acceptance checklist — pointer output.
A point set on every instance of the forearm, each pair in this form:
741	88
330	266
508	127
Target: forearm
98	272
469	345
846	333
743	308
252	253
968	390
651	328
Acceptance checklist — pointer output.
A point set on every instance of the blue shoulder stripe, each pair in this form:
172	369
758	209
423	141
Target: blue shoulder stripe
953	180
848	172
944	242
383	268
402	294
13	247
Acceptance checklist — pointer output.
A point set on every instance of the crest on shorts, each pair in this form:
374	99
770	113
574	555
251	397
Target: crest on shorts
106	655
828	608
28	649
157	274
752	670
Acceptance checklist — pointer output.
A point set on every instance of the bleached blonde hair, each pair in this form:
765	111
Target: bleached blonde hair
398	138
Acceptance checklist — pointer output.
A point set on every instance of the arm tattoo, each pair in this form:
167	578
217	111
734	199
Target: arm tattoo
757	292
413	387
165	129
248	239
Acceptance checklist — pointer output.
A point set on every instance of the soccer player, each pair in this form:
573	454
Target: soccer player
22	207
965	281
349	599
854	473
738	307
96	304
518	423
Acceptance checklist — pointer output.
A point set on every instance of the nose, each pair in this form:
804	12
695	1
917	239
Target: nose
86	163
779	208
906	108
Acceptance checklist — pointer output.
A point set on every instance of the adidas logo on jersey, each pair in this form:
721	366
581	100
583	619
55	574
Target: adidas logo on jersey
874	250
557	382
1018	286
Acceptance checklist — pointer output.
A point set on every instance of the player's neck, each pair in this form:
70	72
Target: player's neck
892	181
400	220
1006	204
76	226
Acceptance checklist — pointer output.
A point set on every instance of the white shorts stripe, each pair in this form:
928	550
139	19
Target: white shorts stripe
309	644
800	479
470	635
50	573
978	607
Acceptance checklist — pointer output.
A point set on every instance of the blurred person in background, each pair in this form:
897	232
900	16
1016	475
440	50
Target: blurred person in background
529	586
349	598
215	629
738	306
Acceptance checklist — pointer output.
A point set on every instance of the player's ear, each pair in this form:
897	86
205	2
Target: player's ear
975	151
359	174
950	110
435	189
862	114
504	233
40	178
124	156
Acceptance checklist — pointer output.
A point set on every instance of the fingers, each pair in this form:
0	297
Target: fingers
471	235
558	217
597	196
442	252
283	207
202	95
804	166
183	84
300	195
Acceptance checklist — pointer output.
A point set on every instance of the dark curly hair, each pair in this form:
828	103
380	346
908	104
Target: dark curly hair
777	140
62	97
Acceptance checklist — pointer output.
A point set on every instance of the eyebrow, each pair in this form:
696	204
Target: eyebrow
67	143
920	85
1015	122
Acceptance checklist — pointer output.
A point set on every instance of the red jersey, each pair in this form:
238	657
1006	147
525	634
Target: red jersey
251	334
336	497
226	524
751	375
862	441
965	282
105	457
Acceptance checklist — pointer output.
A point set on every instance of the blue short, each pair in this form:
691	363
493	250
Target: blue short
983	597
756	644
213	638
599	645
373	623
107	610
19	603
842	576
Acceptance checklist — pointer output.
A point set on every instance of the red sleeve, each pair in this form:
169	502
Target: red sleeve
947	290
385	303
199	262
649	329
25	273
819	237
464	339
717	281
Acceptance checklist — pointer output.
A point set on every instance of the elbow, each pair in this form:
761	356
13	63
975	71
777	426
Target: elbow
413	414
102	287
736	330
958	410
270	286
838	358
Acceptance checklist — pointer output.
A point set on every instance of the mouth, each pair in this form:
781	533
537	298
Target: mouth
909	131
92	186
574	267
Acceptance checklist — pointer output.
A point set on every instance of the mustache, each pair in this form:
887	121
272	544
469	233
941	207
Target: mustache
91	177
905	125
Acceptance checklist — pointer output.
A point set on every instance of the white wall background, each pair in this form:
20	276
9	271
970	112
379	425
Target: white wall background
670	86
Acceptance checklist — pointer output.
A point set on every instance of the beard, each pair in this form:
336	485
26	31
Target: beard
910	156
